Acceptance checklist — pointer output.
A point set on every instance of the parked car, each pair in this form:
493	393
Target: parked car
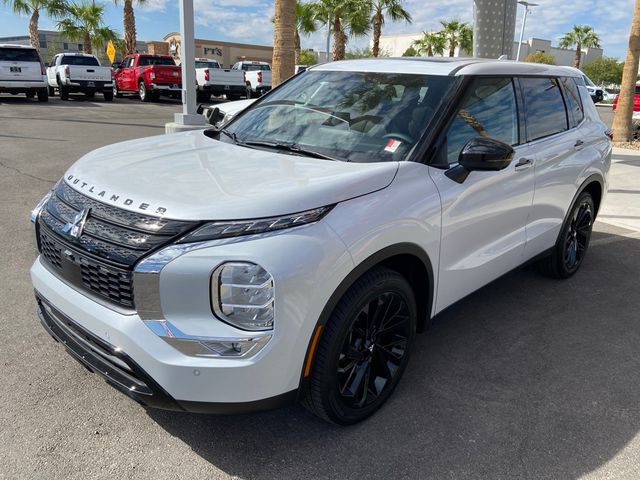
636	103
79	72
212	79
294	253
222	113
22	71
148	76
596	93
257	76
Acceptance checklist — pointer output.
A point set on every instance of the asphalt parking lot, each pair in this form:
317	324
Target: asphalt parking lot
528	378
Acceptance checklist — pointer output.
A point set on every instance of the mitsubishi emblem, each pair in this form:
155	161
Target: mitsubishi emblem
74	228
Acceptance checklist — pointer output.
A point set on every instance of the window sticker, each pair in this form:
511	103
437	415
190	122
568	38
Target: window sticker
392	145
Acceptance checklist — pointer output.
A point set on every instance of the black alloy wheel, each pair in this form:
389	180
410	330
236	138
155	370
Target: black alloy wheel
363	349
573	241
578	235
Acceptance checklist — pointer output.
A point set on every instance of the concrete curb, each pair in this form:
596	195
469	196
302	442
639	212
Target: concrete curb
626	152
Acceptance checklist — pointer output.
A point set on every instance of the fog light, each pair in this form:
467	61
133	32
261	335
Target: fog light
242	295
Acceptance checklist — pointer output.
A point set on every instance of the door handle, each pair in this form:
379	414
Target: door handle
578	143
523	164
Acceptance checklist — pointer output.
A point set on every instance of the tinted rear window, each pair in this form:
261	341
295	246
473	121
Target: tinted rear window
207	64
19	55
574	103
76	60
545	111
143	61
250	67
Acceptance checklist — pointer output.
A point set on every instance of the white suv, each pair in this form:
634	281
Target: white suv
22	71
294	254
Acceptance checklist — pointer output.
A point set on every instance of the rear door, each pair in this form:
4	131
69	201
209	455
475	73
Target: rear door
557	131
20	64
484	217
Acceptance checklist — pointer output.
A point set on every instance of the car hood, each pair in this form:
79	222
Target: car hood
192	177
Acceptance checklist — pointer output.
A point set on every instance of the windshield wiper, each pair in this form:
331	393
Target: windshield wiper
290	147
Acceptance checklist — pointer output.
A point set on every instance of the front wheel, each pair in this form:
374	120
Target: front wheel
573	240
364	348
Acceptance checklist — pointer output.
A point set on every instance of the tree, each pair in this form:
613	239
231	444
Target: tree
457	34
365	52
306	24
283	41
307	57
52	8
582	36
346	17
605	70
85	22
431	43
541	57
411	52
392	9
622	119
129	23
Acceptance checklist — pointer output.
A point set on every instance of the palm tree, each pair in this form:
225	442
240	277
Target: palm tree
457	34
84	22
345	17
283	40
129	21
394	10
431	43
305	24
52	8
582	36
623	117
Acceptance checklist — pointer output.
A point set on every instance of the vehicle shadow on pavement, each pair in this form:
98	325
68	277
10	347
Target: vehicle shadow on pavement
527	378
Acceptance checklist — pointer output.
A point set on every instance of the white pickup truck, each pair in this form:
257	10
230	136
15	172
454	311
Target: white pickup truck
212	79
257	76
79	72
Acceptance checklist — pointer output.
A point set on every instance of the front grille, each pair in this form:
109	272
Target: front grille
102	258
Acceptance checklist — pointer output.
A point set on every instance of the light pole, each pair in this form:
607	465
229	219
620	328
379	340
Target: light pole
524	22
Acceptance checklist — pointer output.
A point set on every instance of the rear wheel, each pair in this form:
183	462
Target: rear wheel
108	95
43	94
64	92
364	348
202	97
142	92
52	91
573	240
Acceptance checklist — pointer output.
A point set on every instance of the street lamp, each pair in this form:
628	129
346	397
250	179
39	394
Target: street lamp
524	22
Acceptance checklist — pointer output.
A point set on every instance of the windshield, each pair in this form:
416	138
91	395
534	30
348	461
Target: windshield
143	61
201	64
350	116
79	60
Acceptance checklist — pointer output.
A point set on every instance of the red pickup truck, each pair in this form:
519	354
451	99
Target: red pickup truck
147	75
636	103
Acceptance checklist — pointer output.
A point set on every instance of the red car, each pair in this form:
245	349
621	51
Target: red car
636	102
147	75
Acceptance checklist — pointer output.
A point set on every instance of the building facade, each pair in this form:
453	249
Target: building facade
396	45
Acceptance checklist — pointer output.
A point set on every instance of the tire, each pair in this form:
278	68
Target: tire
202	97
52	91
108	95
142	92
116	92
43	94
573	241
350	355
64	92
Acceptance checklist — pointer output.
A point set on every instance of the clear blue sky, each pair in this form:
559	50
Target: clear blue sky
249	20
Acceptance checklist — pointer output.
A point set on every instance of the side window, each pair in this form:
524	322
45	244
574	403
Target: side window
545	111
574	103
130	62
488	110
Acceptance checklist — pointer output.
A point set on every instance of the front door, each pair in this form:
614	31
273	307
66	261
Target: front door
484	217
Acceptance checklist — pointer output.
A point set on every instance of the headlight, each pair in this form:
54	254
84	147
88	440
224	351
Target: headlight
217	230
242	295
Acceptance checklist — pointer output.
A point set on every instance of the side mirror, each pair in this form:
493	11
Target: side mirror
483	154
